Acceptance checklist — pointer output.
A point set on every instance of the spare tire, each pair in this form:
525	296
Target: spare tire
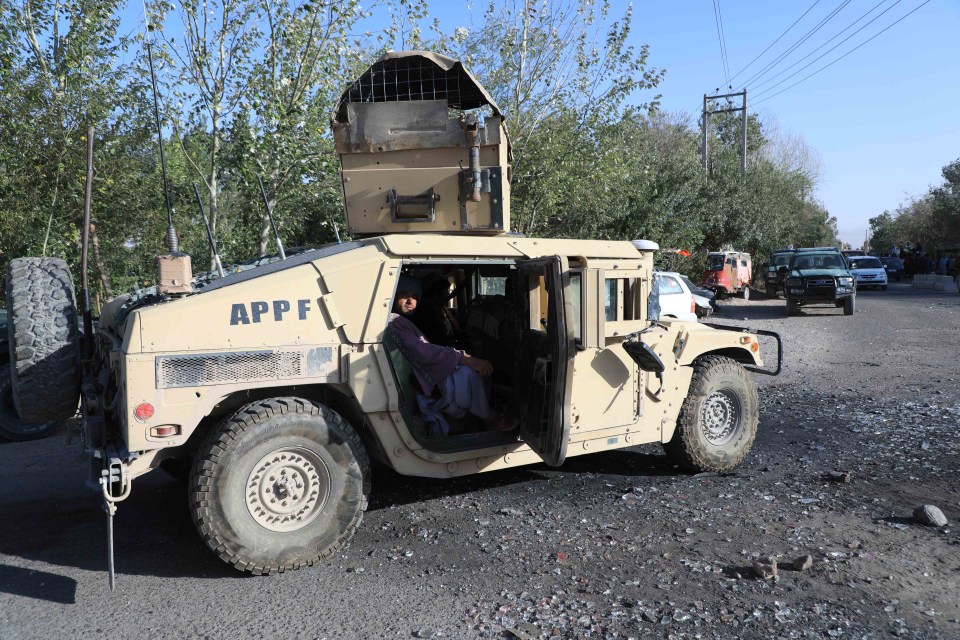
44	339
12	428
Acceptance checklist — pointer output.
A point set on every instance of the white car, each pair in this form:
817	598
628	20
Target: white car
676	301
868	271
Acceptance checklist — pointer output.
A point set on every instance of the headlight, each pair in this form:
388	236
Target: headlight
795	282
846	281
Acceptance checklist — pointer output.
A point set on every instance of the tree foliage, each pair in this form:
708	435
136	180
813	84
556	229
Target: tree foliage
246	88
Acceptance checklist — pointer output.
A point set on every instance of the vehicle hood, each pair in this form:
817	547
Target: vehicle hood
872	271
820	272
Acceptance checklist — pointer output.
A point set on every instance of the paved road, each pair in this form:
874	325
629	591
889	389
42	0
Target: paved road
465	558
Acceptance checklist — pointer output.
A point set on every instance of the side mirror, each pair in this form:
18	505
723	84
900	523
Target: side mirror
645	357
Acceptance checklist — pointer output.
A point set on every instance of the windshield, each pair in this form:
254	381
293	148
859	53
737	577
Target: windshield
892	262
780	259
865	263
812	260
715	262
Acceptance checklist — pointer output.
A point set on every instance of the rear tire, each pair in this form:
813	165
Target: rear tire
281	484
792	307
44	339
849	305
12	428
718	420
746	293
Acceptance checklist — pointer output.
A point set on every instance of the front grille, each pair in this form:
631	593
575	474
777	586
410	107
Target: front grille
226	368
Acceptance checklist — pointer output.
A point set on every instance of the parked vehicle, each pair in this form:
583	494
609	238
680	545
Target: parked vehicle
849	253
676	301
773	279
705	299
819	276
278	386
868	271
894	268
729	273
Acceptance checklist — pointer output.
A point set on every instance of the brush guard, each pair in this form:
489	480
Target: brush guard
759	332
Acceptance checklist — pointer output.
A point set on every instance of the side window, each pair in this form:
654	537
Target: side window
576	305
611	298
492	286
743	263
623	298
669	285
732	261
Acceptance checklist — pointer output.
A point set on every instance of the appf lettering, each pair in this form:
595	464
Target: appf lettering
259	310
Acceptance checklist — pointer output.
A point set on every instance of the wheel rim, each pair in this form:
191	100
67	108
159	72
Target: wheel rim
720	417
287	489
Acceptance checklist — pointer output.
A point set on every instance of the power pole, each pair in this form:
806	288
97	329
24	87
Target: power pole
743	126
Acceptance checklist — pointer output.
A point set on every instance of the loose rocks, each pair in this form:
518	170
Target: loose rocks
930	516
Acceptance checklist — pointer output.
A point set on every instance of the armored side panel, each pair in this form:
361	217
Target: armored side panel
423	148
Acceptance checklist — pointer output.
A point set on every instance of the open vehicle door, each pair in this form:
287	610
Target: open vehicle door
547	347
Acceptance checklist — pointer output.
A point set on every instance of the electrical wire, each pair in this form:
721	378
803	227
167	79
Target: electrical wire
723	44
792	66
734	76
844	55
794	47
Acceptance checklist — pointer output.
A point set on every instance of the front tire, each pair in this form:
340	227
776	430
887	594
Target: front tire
792	307
746	293
849	306
718	420
281	484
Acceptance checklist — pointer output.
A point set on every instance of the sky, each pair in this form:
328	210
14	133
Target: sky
883	120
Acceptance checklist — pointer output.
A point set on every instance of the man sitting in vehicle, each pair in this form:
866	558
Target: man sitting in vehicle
451	381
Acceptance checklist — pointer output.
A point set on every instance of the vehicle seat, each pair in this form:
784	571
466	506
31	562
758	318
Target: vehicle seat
403	377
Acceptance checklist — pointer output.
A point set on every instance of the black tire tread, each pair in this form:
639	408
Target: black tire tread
44	335
682	446
232	430
12	427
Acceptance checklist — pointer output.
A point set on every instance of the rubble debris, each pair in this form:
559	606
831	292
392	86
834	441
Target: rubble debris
803	563
839	476
765	567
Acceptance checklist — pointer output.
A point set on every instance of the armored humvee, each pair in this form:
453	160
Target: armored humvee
274	389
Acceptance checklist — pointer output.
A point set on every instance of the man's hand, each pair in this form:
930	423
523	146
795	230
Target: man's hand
481	366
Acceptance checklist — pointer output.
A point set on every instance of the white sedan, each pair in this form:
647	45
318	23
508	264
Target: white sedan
676	301
868	271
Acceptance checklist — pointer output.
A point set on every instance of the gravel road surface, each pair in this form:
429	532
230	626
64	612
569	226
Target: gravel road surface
859	430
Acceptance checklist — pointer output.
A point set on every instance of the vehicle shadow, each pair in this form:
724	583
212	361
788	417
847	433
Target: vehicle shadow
751	310
38	585
391	488
153	536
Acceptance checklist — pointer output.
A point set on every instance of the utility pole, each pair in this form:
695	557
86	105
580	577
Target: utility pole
743	126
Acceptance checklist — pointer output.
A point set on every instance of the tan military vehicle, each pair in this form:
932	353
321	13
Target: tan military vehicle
277	386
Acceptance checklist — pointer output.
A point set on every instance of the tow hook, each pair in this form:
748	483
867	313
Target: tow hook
113	477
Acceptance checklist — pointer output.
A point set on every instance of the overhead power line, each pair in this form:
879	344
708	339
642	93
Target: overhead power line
723	43
792	66
793	47
846	54
734	76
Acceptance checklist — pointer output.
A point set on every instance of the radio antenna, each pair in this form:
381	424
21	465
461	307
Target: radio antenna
173	242
213	244
266	203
